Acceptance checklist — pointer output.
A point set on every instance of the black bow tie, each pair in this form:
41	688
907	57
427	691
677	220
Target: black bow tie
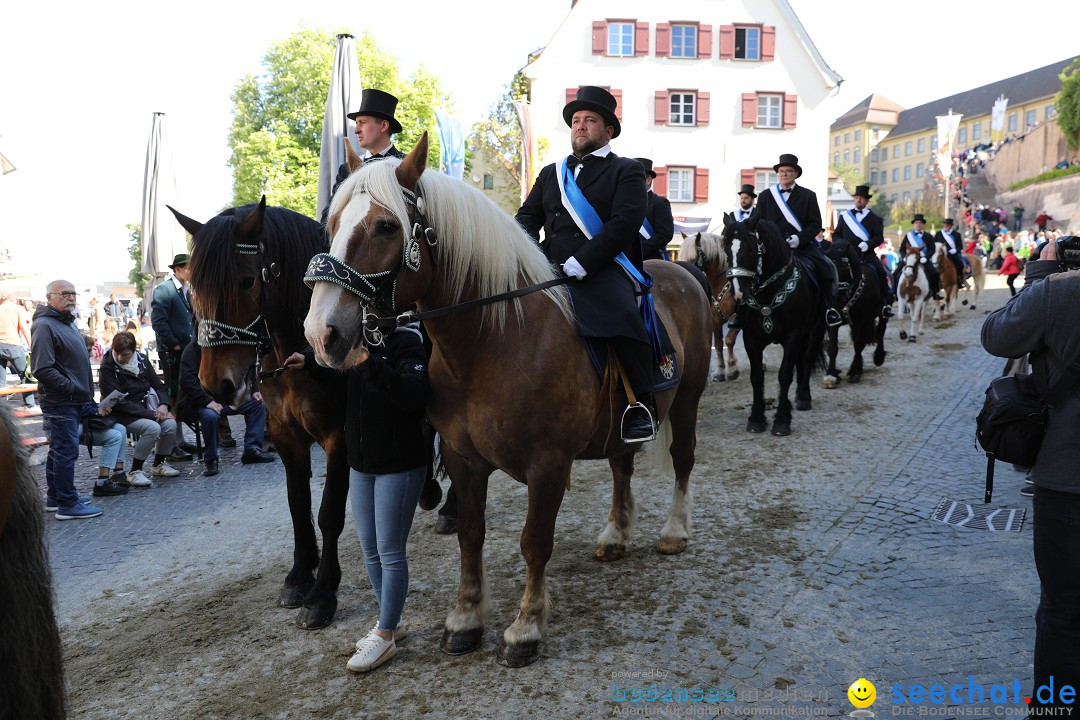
786	191
572	161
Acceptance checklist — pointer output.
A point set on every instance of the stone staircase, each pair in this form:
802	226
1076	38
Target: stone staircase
981	191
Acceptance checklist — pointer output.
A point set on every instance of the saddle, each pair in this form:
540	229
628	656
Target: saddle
665	372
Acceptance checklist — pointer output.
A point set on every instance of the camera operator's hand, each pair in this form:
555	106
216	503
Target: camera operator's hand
1049	252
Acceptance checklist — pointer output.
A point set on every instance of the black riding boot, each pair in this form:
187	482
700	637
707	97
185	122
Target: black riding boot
832	317
639	421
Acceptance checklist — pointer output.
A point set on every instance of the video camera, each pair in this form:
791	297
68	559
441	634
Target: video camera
1068	252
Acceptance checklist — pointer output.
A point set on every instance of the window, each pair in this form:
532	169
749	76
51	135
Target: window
976	130
836	140
489	182
858	135
874	155
847	157
857	156
1029	118
961	136
1012	122
907	172
933	143
836	158
873	176
1050	111
873	133
681	184
896	175
620	39
763	180
919	170
896	151
918	195
684	41
907	148
682	109
907	197
769	111
892	198
921	146
748	43
847	138
884	177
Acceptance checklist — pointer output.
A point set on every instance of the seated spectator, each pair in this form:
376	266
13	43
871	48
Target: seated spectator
133	328
197	405
144	410
108	331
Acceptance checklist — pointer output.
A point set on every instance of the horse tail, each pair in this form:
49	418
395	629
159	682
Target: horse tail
660	451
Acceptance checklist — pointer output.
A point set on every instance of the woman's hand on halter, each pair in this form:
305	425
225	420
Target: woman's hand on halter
362	356
294	362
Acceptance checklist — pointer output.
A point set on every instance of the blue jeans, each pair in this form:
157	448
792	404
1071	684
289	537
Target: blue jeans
383	508
111	441
61	426
1056	531
254	413
16	355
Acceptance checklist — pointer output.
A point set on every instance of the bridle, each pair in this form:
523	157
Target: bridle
766	308
842	286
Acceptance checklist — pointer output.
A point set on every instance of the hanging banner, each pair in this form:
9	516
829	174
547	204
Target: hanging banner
947	126
451	145
997	114
528	147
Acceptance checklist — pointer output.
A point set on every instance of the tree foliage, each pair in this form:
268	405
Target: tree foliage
1067	104
136	276
278	116
498	136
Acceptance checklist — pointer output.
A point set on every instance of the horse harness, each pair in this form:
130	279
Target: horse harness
787	289
856	294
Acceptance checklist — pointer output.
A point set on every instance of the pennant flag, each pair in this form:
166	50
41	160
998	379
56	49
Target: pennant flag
451	145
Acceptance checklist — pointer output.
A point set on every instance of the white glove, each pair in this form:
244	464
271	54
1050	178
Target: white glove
573	268
863	246
793	241
922	260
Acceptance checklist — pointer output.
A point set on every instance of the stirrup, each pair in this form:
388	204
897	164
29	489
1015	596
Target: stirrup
622	423
833	323
887	311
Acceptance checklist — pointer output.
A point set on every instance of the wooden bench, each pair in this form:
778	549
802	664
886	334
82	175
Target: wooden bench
34	442
18	389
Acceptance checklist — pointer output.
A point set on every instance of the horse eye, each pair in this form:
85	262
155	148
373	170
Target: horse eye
385	227
246	283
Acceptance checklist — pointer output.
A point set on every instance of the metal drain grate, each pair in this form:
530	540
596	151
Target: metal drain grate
979	517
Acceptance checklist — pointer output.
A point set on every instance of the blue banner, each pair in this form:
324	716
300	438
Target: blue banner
451	145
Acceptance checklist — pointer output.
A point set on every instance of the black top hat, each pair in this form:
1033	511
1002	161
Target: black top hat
378	104
863	190
947	221
788	160
648	166
597	100
918	218
747	190
179	261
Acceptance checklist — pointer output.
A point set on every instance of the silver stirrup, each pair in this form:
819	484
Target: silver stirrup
622	424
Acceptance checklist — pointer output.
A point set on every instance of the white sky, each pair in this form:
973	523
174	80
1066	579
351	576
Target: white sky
79	81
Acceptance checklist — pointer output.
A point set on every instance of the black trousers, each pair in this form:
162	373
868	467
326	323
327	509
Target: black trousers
1056	534
637	360
883	280
823	268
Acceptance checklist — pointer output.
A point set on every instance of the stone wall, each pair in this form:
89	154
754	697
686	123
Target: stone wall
1038	151
1060	198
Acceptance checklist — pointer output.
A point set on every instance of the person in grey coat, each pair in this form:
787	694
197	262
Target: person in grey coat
1041	321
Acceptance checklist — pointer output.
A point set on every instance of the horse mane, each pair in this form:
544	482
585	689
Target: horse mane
775	245
710	244
288	241
482	250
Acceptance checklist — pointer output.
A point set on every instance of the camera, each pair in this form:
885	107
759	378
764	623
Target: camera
1068	252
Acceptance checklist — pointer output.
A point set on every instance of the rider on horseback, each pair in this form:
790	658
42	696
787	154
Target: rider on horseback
953	250
925	243
594	188
866	229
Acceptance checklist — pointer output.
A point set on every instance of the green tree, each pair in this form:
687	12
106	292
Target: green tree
498	136
851	175
1067	104
278	116
136	276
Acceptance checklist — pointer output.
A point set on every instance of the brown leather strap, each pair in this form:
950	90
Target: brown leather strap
622	375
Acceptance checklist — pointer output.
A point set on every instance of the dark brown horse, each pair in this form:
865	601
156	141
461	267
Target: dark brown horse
247	269
32	680
858	301
512	385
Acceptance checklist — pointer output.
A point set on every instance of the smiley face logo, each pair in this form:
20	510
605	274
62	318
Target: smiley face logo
862	693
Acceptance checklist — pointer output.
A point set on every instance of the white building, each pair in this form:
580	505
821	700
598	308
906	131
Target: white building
713	91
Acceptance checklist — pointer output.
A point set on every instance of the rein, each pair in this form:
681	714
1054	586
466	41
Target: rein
854	297
786	290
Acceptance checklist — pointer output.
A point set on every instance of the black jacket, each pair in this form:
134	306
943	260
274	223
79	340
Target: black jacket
875	228
59	361
957	243
343	173
387	398
804	207
928	249
113	377
659	216
191	395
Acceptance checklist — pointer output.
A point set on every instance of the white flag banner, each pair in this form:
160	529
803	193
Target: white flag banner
997	114
947	126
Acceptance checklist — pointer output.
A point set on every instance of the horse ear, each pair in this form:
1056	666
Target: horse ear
352	161
412	167
251	224
192	226
728	219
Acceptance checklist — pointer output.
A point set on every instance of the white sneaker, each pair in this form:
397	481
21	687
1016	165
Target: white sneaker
164	470
137	478
400	632
372	652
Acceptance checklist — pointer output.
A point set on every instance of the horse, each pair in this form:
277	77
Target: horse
247	269
950	285
978	277
912	293
858	301
779	303
32	683
512	385
706	251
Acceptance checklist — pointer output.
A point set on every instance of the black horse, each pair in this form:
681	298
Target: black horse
779	303
858	301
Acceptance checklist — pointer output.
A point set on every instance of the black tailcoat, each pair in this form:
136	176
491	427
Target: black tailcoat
875	228
663	225
804	206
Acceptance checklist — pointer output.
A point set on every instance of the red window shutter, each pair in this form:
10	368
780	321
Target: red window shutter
661	107
749	109
702	108
599	37
747	176
641	38
617	94
768	42
704	41
727	42
663	39
791	109
571	95
659	183
701	185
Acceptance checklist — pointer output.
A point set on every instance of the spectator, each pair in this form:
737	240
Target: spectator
114	308
1042	220
109	329
196	405
13	333
171	314
94	317
133	327
1010	268
1018	216
66	389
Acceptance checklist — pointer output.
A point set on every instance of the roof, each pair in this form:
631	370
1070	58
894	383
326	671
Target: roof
1020	89
882	109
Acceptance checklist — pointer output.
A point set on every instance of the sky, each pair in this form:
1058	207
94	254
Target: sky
79	82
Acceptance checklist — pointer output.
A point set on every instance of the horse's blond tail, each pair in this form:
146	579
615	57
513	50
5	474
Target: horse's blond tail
660	451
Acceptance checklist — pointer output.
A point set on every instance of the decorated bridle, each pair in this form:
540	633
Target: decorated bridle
766	309
842	286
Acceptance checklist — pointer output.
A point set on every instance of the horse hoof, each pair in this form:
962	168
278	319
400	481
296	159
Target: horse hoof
755	426
718	377
781	429
879	358
293	597
609	552
430	496
732	374
316	615
830	382
964	302
854	378
518	655
671	547
903	335
911	339
801	404
446	525
462	642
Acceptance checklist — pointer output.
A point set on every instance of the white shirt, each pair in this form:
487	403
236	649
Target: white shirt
602	152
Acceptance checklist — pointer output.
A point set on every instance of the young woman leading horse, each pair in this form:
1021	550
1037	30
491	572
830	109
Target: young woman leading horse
512	387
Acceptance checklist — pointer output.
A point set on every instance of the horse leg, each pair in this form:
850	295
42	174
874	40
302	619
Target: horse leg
521	641
718	342
729	345
756	422
296	457
447	522
782	420
879	339
321	601
464	629
858	340
611	545
683	419
832	375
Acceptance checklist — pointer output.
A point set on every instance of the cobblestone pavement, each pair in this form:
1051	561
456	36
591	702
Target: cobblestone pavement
813	562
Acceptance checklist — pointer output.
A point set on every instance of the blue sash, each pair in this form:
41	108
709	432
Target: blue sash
916	241
590	223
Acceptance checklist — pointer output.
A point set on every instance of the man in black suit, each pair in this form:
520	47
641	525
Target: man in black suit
925	242
746	203
865	229
170	314
659	226
795	210
589	246
954	249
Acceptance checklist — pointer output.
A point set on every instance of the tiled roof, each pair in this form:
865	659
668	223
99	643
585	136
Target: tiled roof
860	112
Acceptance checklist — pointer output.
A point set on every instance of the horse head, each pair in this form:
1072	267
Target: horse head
744	252
845	256
911	262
